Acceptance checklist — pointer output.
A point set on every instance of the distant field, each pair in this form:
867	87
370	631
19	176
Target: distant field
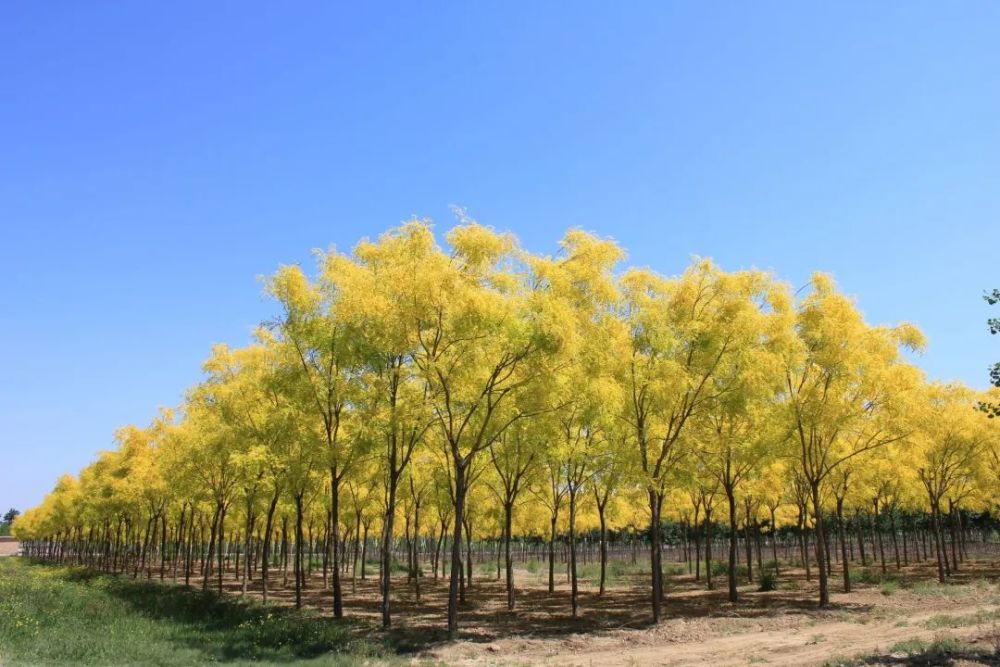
58	615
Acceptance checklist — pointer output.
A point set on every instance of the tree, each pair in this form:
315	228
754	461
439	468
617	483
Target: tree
948	442
10	515
514	456
322	346
375	288
480	344
681	335
739	430
844	385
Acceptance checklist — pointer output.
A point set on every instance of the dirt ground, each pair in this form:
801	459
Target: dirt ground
782	627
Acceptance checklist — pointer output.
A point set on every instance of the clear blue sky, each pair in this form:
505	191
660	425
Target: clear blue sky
156	158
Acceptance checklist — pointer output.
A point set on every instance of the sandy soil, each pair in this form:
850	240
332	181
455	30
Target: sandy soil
779	628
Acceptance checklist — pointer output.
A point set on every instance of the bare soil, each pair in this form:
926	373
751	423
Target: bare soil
701	627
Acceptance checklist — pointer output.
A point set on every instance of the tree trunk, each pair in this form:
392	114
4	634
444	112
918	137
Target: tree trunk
824	584
655	553
731	575
574	590
604	546
265	561
508	520
456	547
387	536
338	595
843	545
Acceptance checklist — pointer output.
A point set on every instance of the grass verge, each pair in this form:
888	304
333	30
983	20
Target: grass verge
58	615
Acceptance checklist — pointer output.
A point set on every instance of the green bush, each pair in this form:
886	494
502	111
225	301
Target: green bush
720	568
768	581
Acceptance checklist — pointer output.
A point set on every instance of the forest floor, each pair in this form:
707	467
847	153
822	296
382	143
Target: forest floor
900	618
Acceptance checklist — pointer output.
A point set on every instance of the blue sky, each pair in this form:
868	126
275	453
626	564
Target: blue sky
155	159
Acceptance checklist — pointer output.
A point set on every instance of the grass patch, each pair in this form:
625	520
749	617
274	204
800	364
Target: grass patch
619	572
949	621
909	646
872	576
942	651
889	587
58	615
720	568
936	589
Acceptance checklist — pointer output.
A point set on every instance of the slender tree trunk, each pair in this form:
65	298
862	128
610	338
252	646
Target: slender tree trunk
298	551
843	545
456	547
774	540
552	549
731	575
265	561
211	547
604	546
824	584
508	521
574	589
338	594
938	546
655	553
708	548
387	537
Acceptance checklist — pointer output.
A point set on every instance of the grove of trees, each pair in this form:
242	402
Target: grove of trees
413	399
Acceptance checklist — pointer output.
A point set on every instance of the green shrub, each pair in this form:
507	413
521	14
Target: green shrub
768	581
720	568
864	575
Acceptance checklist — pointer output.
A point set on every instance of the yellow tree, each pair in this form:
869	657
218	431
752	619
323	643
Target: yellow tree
481	338
844	385
737	431
514	456
247	391
375	288
681	335
321	346
949	443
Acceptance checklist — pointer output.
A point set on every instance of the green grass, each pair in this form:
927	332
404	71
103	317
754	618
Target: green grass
941	651
949	621
933	588
534	566
618	572
58	615
909	646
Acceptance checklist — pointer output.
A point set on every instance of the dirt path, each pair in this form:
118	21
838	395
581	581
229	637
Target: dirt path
786	639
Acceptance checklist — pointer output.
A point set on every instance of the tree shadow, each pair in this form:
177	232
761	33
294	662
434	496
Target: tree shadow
226	628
